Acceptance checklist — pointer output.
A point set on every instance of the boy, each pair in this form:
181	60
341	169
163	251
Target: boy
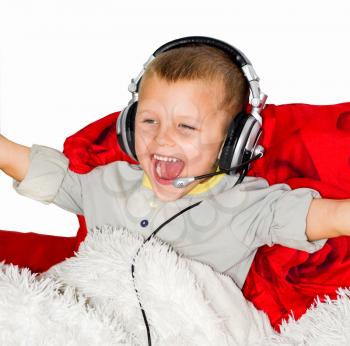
188	97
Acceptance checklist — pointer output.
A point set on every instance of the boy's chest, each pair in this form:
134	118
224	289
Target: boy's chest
203	233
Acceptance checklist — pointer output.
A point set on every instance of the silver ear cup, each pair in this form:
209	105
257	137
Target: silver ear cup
126	130
247	141
240	142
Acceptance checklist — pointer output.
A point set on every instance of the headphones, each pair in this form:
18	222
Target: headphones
244	131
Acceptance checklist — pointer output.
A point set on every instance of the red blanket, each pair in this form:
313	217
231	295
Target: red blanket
306	146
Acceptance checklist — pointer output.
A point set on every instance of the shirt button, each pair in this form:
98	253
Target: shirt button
144	223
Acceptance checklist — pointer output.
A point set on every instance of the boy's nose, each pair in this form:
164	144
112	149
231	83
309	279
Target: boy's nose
164	137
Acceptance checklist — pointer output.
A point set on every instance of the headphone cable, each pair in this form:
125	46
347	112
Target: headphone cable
137	253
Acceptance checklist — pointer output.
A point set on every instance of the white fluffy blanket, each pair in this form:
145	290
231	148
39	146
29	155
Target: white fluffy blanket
90	300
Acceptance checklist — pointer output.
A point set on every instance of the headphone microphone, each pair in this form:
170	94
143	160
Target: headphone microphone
181	183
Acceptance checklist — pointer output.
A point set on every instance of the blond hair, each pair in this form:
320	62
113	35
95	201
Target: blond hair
206	63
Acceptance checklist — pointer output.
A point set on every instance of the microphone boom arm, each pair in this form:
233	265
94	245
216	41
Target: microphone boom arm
183	182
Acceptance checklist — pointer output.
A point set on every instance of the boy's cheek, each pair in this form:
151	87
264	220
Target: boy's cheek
203	150
142	147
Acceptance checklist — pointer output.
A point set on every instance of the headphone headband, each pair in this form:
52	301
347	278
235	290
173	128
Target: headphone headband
257	99
236	55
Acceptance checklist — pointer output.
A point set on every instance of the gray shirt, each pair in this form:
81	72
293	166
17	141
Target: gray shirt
223	231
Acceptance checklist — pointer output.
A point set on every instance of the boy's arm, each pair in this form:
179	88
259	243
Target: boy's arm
41	173
14	158
328	218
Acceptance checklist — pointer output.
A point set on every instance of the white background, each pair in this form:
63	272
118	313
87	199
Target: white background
64	64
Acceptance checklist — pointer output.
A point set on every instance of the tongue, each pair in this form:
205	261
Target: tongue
169	170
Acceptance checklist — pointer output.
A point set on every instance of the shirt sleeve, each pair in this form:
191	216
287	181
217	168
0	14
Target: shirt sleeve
49	180
288	227
279	216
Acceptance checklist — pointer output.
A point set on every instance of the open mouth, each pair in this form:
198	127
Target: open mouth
166	168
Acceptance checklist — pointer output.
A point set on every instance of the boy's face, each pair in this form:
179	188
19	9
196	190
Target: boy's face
179	131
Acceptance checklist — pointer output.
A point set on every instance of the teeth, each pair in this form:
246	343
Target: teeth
159	172
165	158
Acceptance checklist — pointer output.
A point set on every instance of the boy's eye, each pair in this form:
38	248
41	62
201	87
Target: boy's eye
187	127
149	121
181	125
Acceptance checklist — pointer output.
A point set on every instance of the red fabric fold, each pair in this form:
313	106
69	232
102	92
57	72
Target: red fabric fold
306	146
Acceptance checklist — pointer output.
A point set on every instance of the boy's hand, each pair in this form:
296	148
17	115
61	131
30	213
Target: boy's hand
328	218
14	158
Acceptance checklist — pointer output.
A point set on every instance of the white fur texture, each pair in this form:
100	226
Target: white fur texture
90	300
324	324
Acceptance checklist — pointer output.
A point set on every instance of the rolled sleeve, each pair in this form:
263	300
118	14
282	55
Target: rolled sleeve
288	226
49	180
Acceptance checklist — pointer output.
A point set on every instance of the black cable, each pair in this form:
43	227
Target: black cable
242	175
133	262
